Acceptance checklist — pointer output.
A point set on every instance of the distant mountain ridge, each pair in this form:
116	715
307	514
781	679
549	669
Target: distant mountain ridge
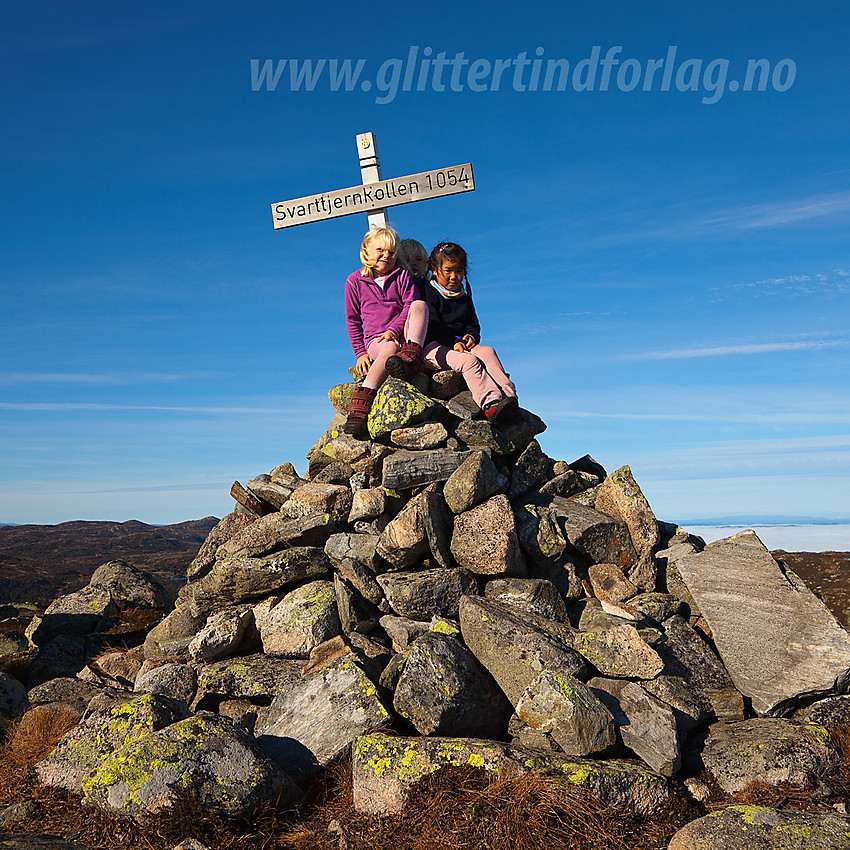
40	562
750	520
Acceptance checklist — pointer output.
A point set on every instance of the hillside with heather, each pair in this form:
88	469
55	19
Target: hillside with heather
40	562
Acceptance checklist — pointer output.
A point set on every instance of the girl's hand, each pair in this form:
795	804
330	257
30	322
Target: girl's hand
361	367
469	341
459	346
388	336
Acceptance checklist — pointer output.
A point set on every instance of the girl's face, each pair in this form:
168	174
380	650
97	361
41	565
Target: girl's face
450	274
379	258
418	265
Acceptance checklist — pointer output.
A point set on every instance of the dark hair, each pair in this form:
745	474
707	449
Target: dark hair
450	251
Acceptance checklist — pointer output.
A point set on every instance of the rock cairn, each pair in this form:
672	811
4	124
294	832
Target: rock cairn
443	593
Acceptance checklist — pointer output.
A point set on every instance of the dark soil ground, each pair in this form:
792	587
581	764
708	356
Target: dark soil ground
825	573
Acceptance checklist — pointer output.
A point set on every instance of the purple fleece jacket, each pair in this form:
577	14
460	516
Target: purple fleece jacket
370	310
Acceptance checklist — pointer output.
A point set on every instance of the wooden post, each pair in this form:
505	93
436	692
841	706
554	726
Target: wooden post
370	172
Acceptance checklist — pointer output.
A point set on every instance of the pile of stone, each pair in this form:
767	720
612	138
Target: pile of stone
444	593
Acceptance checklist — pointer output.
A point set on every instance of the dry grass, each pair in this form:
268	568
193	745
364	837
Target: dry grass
461	808
29	740
454	808
469	808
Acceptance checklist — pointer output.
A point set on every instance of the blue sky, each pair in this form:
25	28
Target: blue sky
665	273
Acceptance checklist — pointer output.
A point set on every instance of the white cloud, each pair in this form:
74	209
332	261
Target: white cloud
100	378
835	282
781	212
84	406
725	350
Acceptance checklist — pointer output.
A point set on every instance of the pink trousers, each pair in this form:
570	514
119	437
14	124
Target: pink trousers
481	369
414	330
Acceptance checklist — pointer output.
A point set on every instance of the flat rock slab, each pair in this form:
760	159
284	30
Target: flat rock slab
776	638
277	531
421	594
234	580
385	769
756	827
404	470
772	750
248	677
318	717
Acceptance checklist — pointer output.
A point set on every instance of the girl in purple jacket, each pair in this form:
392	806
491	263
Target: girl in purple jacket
386	322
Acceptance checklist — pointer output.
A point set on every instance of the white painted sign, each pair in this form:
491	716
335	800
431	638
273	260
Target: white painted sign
375	194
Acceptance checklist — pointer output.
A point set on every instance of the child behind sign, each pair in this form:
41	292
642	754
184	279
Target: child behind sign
453	339
386	321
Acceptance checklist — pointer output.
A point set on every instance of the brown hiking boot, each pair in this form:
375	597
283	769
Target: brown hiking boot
358	412
501	411
405	363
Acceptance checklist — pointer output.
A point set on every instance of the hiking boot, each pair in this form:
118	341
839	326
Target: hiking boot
405	363
501	411
358	412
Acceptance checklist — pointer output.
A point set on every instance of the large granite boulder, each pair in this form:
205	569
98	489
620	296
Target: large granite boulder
13	696
517	646
82	750
485	540
567	710
443	690
203	758
420	595
778	641
756	827
397	405
277	531
318	717
304	618
772	750
233	580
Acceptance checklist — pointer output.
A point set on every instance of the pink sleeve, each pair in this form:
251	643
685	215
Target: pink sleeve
352	318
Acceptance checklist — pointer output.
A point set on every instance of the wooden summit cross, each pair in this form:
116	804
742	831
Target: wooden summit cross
375	194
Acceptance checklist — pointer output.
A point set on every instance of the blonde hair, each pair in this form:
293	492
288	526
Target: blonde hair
410	248
389	239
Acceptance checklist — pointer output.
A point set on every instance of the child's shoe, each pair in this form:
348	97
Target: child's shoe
406	361
502	410
358	412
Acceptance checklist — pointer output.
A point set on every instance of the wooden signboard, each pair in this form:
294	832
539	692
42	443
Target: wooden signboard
375	194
